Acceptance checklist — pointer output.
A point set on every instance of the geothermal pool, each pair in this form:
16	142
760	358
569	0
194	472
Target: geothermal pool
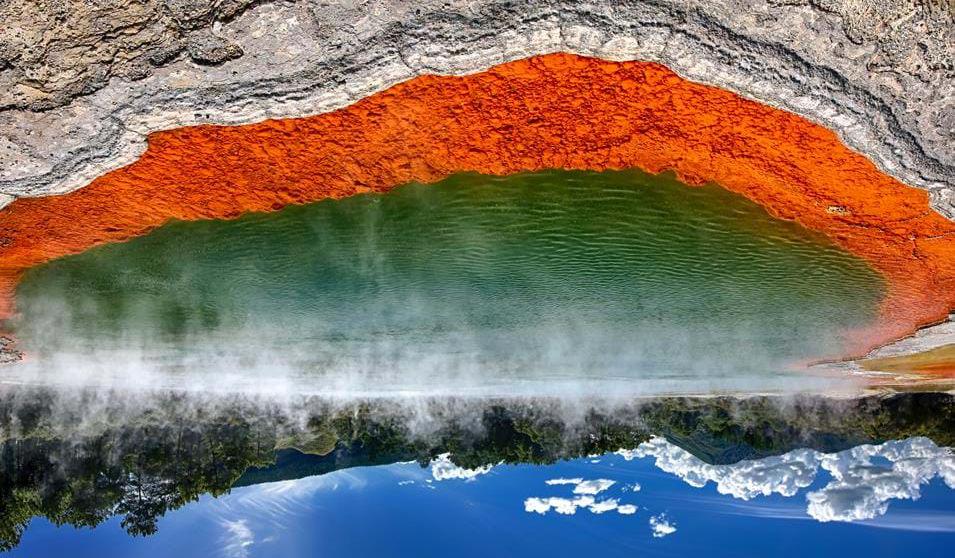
558	356
372	279
538	282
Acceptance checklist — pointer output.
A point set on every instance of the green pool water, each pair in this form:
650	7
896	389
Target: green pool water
551	276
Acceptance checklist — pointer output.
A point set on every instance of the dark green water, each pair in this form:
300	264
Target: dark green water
555	275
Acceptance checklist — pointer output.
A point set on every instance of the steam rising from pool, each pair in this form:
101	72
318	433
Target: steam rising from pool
537	284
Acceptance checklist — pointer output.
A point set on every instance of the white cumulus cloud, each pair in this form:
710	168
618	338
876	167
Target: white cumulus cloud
862	489
861	486
581	486
627	509
558	482
565	506
602	506
593	487
661	526
783	474
442	468
569	506
585	492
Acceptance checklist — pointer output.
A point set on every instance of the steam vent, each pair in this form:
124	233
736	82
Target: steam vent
484	278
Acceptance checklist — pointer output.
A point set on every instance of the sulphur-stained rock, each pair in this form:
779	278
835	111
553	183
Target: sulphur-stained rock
84	82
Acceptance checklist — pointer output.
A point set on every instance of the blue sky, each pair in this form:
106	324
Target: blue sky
405	510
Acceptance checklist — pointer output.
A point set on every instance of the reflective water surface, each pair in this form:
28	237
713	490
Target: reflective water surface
551	364
243	476
532	282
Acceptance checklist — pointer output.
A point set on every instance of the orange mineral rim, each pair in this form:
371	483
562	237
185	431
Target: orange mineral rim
552	111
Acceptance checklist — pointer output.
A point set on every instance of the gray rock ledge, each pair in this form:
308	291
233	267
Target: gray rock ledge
82	85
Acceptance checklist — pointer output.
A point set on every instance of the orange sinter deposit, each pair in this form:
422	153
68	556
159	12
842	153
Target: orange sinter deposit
938	362
554	111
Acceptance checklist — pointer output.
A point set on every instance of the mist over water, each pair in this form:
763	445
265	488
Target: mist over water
540	284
